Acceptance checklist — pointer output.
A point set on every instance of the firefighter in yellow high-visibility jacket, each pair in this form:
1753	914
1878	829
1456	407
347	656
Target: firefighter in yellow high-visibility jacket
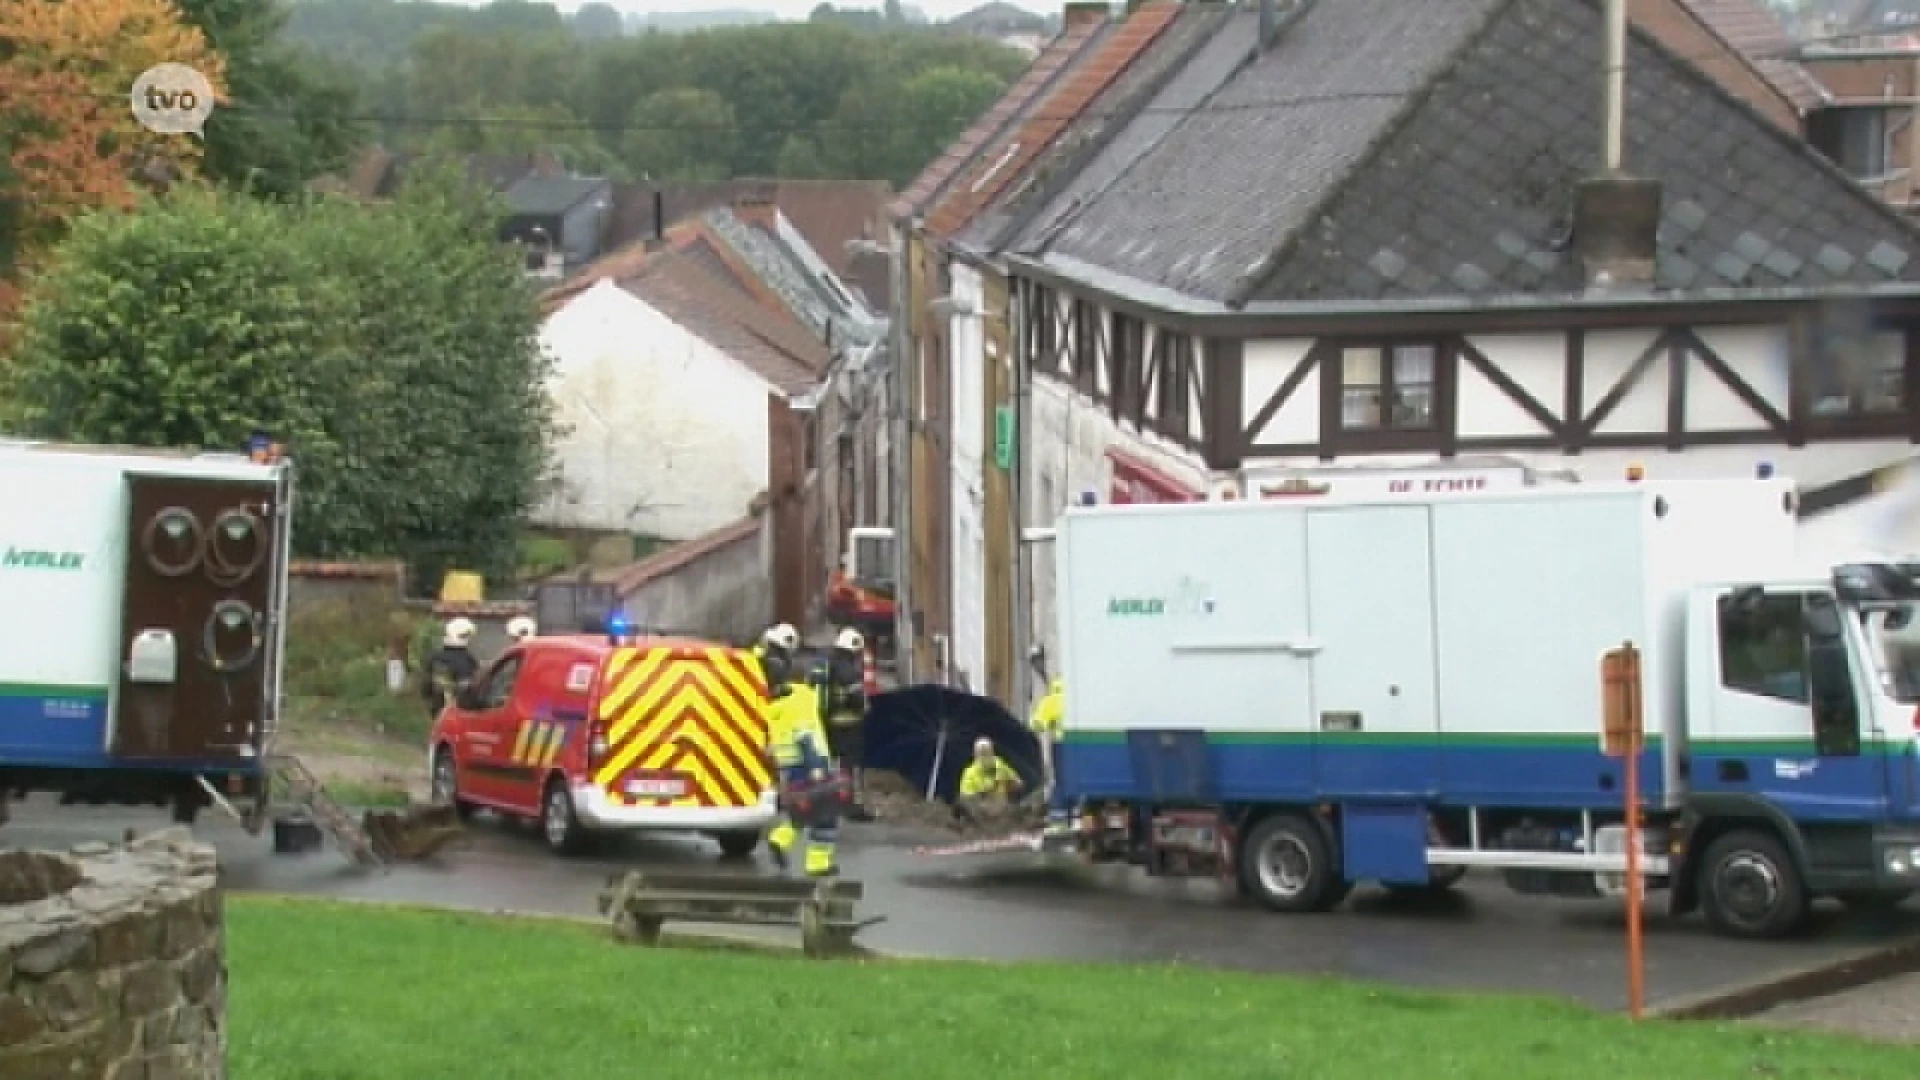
797	743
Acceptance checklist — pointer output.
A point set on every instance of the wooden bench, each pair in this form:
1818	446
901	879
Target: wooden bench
641	902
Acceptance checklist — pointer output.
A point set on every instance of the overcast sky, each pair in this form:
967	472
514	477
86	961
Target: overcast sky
787	9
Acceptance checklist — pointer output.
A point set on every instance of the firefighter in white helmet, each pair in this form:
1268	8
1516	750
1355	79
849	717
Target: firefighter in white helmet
521	627
451	667
843	700
775	652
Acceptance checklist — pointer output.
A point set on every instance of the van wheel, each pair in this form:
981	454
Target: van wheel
1750	888
1287	865
737	845
446	784
559	826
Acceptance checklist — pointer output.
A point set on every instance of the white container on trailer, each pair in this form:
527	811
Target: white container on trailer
144	642
1443	649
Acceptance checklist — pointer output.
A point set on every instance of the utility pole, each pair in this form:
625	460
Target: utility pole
906	392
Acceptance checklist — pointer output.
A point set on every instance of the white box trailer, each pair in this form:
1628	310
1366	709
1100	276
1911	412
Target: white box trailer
1421	678
143	647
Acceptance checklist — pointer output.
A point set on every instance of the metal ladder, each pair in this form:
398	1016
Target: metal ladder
310	796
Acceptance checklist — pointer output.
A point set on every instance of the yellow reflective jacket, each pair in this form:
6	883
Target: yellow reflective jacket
1048	712
994	777
791	717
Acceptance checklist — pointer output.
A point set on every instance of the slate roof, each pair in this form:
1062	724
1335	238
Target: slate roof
829	213
782	269
1757	34
535	194
934	179
1193	26
1443	165
1087	72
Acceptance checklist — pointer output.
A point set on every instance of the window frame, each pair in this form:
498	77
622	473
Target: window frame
510	666
1759	689
1435	434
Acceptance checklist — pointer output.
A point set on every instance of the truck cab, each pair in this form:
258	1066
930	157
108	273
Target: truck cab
589	735
1802	706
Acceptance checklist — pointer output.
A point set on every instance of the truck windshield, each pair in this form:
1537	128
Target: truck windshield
1898	654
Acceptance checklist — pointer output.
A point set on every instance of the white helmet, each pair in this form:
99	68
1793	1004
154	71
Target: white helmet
783	636
521	627
458	634
850	641
983	745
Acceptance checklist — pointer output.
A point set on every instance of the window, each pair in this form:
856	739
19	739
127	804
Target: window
499	685
1763	647
1860	373
1854	138
1388	388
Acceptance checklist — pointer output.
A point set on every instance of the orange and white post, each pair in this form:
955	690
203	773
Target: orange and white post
1623	734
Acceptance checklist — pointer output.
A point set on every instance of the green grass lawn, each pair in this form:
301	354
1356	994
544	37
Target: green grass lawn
342	992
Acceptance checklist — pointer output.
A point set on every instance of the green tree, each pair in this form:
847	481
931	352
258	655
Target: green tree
934	107
598	21
800	160
290	120
420	428
682	134
520	130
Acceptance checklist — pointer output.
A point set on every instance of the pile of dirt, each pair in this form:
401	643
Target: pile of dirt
895	801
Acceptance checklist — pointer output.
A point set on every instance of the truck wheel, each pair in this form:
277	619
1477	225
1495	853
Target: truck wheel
737	845
558	824
446	784
1750	888
1287	865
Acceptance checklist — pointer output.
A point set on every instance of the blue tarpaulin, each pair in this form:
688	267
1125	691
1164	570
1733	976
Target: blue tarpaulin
911	729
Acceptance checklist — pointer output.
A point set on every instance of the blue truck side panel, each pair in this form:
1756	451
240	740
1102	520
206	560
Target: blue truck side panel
1385	842
57	727
1538	774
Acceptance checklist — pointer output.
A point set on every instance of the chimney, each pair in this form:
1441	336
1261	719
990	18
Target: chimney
1080	14
755	209
659	238
1616	217
1615	221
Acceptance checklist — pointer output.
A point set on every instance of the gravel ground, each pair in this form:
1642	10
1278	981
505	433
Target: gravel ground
1888	1011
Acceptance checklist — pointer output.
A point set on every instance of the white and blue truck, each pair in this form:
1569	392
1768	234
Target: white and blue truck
1306	694
141	625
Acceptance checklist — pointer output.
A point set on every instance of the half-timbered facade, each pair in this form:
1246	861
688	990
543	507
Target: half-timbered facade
1361	231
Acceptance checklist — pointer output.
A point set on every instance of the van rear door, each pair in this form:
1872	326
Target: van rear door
686	726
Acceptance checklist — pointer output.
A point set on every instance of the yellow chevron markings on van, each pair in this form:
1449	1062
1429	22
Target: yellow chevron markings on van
730	668
520	742
669	752
643	692
556	736
631	681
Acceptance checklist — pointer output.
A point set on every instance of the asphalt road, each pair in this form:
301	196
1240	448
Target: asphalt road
1007	907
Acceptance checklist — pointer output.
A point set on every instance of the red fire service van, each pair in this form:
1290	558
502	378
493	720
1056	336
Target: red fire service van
590	734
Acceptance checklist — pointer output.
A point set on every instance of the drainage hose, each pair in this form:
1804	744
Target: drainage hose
177	523
234	525
231	615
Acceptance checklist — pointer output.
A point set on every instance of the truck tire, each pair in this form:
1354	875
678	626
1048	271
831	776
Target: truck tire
1287	865
446	783
1750	888
738	844
559	826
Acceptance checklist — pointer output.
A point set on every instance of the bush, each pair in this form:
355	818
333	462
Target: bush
337	653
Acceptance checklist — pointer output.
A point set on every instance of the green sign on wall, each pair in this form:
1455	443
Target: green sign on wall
1003	437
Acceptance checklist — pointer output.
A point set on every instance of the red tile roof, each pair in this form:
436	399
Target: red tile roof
1759	36
991	172
963	150
829	213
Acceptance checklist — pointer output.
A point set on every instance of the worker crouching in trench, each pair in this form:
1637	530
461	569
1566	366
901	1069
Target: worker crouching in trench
990	789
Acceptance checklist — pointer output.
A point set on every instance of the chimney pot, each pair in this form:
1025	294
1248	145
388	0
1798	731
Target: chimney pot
1616	222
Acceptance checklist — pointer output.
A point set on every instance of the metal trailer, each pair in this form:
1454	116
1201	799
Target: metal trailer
1304	694
143	637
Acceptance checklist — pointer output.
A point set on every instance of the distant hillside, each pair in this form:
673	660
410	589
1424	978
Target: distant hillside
680	22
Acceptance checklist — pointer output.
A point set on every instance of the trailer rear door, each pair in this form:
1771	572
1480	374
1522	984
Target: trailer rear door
201	562
1375	695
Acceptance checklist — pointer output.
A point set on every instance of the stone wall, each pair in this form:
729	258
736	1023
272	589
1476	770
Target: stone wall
112	962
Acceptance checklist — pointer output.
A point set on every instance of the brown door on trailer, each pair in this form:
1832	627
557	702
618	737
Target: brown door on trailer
200	568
